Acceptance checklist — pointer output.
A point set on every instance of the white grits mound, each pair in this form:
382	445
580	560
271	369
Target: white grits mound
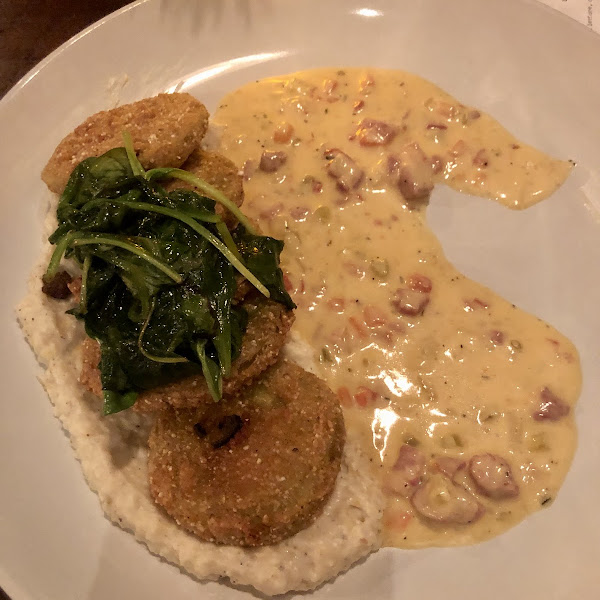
113	455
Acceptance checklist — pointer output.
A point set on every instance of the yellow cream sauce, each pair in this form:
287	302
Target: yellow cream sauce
339	164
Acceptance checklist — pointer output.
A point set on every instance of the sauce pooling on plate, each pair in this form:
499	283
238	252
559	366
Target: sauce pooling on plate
465	401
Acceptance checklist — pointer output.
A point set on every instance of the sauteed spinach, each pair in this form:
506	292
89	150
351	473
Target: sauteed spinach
158	273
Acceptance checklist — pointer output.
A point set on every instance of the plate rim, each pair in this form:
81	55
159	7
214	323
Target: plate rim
21	85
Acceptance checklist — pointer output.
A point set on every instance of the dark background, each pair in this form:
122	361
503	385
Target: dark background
31	29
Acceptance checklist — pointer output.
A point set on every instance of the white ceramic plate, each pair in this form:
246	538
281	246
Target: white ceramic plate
533	69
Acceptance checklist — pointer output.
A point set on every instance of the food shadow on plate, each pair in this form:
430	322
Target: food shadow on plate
128	431
354	582
209	14
358	581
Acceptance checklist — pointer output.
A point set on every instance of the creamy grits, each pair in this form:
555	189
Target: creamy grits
114	458
464	401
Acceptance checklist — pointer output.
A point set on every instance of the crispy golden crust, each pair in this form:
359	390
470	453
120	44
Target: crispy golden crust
165	130
220	172
90	359
268	325
268	481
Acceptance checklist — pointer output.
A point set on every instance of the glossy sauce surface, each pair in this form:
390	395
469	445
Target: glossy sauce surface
428	365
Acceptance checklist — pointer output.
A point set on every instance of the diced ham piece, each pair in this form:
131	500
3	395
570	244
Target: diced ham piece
475	304
419	283
407	472
316	186
283	133
329	86
437	164
551	407
359	326
497	337
441	107
366	84
410	302
413	172
364	396
248	170
342	168
442	501
448	465
371	132
481	159
459	148
358	106
344	397
272	161
299	212
374	316
493	476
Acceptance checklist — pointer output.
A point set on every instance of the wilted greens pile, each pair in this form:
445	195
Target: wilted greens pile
158	274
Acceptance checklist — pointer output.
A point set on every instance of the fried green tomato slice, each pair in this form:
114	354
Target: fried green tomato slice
219	172
165	130
268	325
251	471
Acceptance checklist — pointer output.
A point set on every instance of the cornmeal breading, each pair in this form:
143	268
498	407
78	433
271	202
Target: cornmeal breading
114	458
219	172
165	130
307	510
268	325
251	471
90	359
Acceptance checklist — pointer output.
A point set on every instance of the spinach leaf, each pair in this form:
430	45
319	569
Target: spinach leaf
158	275
261	255
87	181
210	370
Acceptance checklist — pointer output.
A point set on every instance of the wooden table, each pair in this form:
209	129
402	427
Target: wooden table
31	29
